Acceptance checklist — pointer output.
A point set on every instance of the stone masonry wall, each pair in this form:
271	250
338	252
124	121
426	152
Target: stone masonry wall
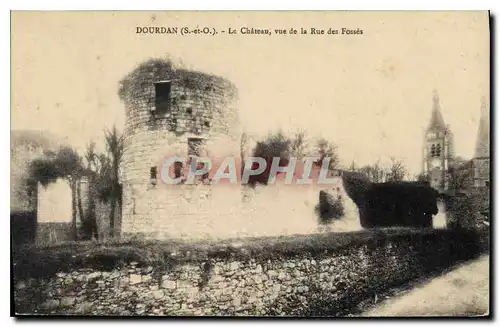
323	282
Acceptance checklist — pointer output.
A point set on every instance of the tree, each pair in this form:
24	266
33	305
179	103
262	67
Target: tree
111	189
459	175
299	144
90	220
422	178
327	149
397	171
375	173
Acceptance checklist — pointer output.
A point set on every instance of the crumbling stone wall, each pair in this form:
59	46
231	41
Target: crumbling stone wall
320	281
202	106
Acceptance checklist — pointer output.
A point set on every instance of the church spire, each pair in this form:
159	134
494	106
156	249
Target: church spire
437	121
483	135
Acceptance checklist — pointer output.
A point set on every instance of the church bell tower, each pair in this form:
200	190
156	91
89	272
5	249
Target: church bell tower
437	149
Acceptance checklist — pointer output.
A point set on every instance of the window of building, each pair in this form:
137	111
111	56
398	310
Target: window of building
163	96
487	183
153	173
433	150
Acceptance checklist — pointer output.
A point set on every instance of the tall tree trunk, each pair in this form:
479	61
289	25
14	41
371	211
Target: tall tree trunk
114	196
91	209
73	209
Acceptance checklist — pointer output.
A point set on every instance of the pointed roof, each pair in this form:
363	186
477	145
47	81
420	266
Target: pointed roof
483	135
437	121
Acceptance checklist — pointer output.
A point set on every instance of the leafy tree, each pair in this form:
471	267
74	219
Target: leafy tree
111	189
298	145
465	205
90	220
327	149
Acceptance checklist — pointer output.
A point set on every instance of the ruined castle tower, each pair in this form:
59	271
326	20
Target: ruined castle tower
172	111
437	149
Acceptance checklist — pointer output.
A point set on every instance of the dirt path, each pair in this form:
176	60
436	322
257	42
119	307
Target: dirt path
463	291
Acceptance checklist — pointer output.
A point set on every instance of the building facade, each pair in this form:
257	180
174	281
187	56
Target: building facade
437	149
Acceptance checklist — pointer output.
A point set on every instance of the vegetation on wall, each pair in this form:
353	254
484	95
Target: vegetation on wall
157	69
49	260
100	170
63	164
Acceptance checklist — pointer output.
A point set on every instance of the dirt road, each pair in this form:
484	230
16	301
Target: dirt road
463	291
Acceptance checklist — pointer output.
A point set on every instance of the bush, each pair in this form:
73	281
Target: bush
467	210
329	208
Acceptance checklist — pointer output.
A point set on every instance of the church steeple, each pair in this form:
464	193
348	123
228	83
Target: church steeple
483	135
438	148
437	121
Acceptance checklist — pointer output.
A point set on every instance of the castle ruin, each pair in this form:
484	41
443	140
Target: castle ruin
173	111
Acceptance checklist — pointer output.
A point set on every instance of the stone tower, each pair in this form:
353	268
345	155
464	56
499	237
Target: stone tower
438	148
481	161
172	111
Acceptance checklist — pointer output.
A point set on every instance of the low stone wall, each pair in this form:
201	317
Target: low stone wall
319	278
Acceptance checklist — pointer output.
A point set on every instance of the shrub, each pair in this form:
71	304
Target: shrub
467	210
329	208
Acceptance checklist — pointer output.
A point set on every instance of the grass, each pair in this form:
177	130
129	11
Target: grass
45	261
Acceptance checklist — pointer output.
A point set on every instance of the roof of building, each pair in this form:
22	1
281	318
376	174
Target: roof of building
437	121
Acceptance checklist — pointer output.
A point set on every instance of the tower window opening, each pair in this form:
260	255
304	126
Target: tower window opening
163	96
438	150
153	173
433	150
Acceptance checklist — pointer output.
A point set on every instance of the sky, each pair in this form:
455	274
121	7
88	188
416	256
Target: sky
370	94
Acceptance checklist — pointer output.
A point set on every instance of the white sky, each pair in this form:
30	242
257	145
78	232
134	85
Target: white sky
370	94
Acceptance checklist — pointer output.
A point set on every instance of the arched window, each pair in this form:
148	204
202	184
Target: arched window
438	150
433	150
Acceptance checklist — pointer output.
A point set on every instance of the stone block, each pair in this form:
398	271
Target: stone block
50	305
168	284
158	294
135	279
67	302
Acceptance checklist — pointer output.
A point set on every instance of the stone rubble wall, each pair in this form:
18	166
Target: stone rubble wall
322	283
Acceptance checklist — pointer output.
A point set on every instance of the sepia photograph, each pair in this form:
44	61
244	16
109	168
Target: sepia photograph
293	164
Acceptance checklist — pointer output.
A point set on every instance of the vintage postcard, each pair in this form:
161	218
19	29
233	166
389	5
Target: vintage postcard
250	163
